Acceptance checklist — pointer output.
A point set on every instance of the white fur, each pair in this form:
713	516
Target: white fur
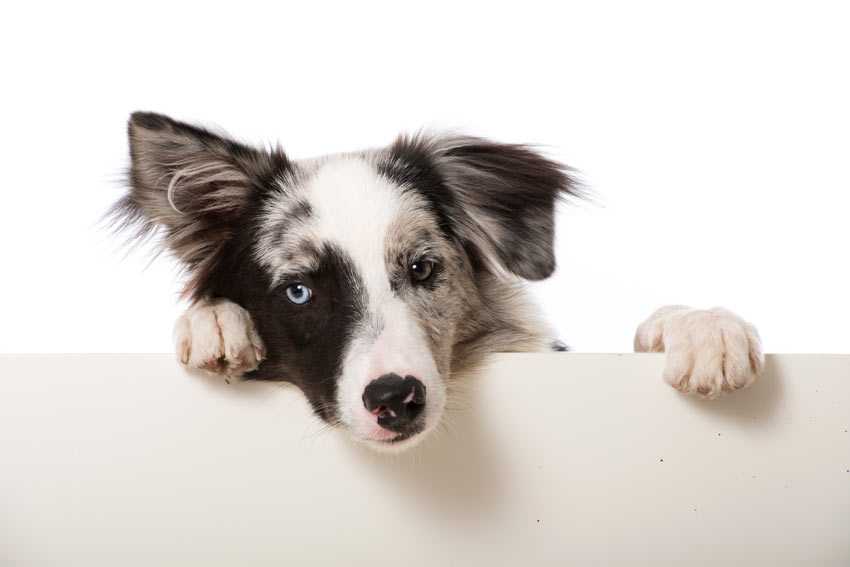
355	207
709	352
218	337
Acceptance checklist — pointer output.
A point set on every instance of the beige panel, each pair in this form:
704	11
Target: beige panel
548	459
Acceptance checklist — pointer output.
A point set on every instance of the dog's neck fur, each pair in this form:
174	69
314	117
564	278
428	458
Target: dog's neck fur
504	319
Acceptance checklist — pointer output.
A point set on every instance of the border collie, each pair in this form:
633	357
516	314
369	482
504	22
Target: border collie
372	279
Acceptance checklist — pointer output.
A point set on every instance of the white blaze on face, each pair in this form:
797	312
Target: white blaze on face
354	207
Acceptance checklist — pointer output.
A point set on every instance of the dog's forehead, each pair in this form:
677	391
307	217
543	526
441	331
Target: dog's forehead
345	202
354	206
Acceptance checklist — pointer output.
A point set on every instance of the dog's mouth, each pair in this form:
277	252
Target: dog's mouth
400	438
388	437
386	440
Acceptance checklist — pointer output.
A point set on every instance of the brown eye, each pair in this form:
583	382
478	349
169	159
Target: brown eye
421	270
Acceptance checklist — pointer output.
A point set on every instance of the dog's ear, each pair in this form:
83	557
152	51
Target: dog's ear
194	185
500	198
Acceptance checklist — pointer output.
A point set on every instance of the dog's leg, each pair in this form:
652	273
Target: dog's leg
709	352
218	336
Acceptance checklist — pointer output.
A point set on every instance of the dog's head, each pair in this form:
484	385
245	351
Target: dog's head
372	277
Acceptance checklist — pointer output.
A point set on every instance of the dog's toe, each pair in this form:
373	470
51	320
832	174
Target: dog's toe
218	337
709	352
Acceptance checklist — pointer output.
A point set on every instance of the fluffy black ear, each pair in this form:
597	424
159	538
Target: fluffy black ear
500	198
194	185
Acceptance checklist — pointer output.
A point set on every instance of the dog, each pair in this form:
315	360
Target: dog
373	280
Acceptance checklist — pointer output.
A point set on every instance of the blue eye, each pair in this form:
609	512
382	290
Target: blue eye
299	294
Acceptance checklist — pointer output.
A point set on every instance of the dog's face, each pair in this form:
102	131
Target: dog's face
371	277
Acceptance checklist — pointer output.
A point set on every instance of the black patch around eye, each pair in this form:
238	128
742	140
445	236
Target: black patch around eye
304	343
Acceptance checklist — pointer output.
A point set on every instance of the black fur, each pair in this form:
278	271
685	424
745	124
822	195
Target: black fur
305	343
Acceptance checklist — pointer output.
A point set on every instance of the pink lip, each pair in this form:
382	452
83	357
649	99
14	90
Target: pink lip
382	435
387	437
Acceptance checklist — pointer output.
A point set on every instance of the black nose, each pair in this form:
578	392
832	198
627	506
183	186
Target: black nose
396	401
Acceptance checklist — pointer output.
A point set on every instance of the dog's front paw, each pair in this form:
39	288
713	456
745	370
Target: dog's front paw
218	336
709	352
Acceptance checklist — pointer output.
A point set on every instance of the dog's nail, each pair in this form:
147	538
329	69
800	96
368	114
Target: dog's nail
185	350
258	354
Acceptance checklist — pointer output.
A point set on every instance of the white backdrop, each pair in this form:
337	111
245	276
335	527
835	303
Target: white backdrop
715	137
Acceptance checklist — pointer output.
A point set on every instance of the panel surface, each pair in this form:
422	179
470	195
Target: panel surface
544	459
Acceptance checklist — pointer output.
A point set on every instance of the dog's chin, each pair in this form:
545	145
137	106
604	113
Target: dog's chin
397	444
